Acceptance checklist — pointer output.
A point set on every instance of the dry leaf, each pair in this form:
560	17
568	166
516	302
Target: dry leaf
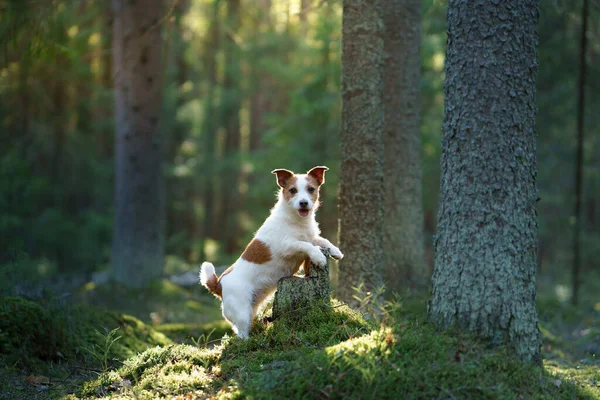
38	380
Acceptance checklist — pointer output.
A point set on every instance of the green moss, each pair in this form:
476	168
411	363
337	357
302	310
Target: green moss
33	333
414	361
190	333
333	352
167	370
29	332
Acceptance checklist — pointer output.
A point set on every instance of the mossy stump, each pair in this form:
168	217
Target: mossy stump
296	292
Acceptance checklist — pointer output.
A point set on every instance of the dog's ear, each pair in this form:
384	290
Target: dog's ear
283	176
318	173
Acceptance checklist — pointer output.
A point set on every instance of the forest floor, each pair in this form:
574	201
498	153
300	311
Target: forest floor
172	342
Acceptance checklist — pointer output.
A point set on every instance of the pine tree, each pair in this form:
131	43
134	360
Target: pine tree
485	250
361	176
137	252
403	224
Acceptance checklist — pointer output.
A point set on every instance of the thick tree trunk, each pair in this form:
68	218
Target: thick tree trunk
361	178
485	250
403	225
137	253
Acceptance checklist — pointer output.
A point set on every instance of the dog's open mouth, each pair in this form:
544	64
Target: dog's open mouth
303	212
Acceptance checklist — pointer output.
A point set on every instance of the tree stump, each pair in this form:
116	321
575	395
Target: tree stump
297	292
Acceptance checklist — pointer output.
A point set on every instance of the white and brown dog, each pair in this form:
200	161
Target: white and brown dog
288	238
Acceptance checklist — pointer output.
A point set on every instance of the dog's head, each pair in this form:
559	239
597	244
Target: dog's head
301	191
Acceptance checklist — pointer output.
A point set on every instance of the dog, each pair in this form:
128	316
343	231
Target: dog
289	237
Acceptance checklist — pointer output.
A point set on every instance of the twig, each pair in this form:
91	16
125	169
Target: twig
306	343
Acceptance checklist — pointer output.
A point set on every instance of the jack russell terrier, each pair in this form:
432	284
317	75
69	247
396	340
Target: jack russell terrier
288	238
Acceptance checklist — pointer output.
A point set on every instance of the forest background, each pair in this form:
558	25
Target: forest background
246	87
57	157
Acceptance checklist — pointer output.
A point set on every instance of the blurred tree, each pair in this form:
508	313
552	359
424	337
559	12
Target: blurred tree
485	250
230	180
137	253
259	97
361	181
579	157
210	125
403	224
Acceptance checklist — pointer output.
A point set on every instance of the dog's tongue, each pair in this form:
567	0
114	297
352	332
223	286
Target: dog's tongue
303	213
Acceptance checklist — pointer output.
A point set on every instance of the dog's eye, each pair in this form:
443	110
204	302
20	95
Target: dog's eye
293	190
311	189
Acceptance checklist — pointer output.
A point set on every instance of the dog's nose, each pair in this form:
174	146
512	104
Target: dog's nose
304	204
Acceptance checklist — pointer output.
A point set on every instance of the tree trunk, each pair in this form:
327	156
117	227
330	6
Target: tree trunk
485	249
403	225
361	178
137	253
231	117
579	159
209	129
260	81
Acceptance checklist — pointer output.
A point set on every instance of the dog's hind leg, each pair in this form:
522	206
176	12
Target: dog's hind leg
239	313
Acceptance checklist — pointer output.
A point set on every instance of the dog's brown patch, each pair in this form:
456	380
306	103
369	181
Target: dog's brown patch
214	286
214	283
287	189
307	267
257	252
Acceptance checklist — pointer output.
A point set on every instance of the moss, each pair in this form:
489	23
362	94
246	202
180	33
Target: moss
29	332
34	333
333	352
414	361
168	369
180	332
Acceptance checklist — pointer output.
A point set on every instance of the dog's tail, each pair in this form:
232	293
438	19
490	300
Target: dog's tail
209	279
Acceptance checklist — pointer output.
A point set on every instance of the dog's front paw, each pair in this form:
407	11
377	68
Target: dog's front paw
335	253
318	258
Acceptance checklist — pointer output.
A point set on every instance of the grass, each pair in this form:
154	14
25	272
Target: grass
50	342
321	352
333	352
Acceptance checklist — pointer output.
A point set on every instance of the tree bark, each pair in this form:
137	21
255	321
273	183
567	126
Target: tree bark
403	225
361	178
485	249
137	252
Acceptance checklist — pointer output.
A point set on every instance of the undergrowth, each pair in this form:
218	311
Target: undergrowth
334	352
385	350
